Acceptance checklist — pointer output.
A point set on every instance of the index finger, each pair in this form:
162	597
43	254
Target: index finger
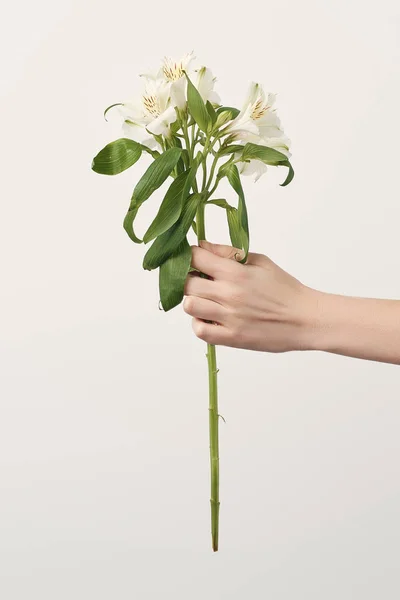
213	265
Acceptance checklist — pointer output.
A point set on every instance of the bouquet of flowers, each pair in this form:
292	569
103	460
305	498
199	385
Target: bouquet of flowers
196	141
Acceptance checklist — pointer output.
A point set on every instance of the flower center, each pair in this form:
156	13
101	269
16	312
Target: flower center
172	70
150	104
260	108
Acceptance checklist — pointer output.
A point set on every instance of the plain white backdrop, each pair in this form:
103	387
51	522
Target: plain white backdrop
104	469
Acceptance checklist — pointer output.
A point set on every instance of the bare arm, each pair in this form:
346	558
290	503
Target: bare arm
258	306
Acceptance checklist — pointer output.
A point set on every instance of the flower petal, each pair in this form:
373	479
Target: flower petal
253	94
160	125
205	85
254	167
178	92
139	134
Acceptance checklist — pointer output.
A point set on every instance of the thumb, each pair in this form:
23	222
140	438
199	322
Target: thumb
222	250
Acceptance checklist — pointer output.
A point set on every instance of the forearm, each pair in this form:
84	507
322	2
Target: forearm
364	328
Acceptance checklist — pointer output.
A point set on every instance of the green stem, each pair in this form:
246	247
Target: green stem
214	445
212	411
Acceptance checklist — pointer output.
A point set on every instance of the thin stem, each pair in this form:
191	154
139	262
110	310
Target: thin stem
204	163
212	411
214	450
214	164
186	134
200	223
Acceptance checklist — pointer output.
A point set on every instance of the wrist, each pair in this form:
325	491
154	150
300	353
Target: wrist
316	325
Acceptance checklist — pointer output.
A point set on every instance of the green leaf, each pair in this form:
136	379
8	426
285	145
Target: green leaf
234	111
222	171
170	209
173	273
270	156
153	153
220	202
175	126
117	157
192	176
233	176
230	149
166	244
196	106
290	174
211	112
152	179
235	231
232	213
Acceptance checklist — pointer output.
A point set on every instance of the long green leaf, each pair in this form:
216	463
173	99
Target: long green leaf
170	209
152	179
167	243
173	273
290	174
235	231
117	156
196	106
189	184
233	176
230	149
232	214
220	202
211	112
270	156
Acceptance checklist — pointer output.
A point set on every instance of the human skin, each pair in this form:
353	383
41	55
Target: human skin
258	306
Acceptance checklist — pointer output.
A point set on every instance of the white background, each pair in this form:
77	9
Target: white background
104	474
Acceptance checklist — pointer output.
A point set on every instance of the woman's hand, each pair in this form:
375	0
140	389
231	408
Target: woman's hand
256	305
259	306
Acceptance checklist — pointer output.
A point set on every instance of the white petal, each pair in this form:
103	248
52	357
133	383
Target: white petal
205	85
214	98
253	93
178	92
139	134
186	60
161	90
243	123
160	125
269	118
152	74
282	144
270	132
132	111
254	167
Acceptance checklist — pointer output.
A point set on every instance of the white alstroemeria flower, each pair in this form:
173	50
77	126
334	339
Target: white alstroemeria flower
258	167
153	112
173	72
253	167
243	126
282	144
205	85
257	119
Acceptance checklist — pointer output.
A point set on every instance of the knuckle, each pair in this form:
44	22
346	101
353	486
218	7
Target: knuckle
188	304
200	330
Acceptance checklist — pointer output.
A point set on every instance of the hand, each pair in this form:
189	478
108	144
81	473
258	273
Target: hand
255	305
